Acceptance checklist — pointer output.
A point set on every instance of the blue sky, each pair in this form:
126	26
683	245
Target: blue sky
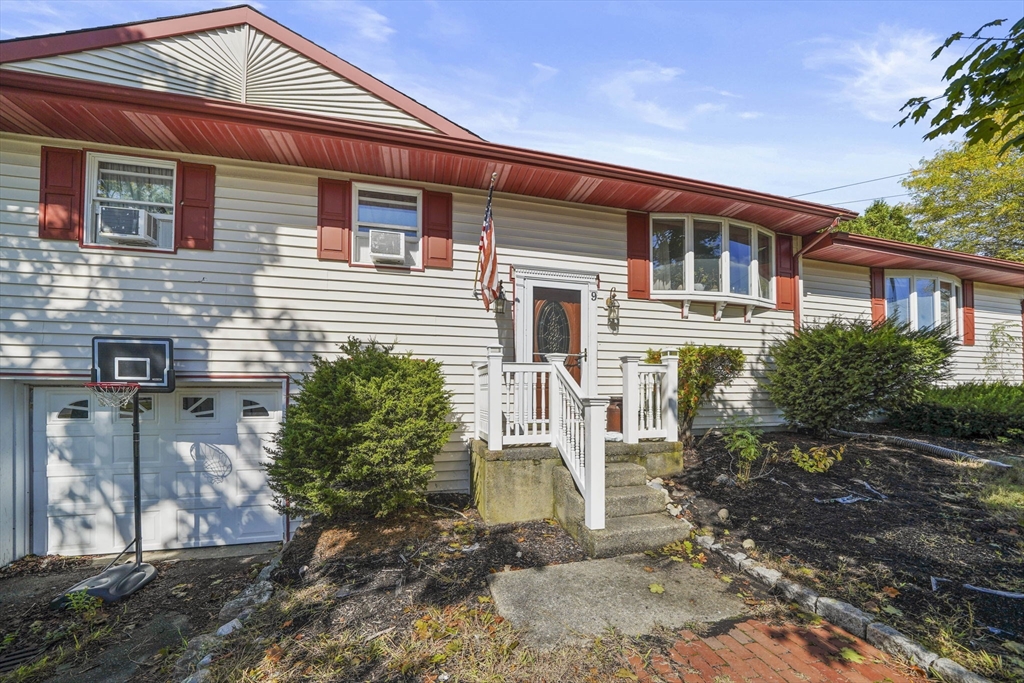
781	97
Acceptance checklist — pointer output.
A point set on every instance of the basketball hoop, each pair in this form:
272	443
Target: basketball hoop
115	394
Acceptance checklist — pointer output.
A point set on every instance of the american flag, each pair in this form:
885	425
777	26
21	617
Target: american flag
488	262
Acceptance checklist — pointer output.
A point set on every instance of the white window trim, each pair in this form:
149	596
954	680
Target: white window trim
724	296
958	292
92	164
412	192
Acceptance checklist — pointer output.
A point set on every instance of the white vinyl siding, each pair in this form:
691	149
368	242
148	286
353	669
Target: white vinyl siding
237	64
834	289
261	302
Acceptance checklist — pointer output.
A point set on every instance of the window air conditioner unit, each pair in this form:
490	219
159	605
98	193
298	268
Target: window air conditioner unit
387	246
128	226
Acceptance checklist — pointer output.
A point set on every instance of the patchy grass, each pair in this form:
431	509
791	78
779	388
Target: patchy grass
1005	493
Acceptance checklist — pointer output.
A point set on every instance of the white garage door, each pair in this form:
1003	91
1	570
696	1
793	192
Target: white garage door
202	480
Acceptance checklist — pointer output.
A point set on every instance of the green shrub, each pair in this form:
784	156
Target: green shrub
744	443
701	370
991	410
362	433
830	375
817	460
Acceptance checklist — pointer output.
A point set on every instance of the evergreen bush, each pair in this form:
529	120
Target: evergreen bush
827	376
701	370
362	433
992	410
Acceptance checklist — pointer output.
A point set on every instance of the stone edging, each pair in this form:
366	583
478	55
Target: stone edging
847	617
200	650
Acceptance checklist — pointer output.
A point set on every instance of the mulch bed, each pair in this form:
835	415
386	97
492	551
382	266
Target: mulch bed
878	555
190	592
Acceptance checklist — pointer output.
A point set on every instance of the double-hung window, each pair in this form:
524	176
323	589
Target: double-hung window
388	226
923	300
702	257
129	202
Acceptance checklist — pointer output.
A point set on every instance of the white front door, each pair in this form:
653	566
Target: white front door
201	450
556	312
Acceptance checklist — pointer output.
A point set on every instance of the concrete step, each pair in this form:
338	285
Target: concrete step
649	528
624	501
634	534
624	474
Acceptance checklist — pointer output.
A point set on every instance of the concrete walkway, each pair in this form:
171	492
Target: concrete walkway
755	651
577	601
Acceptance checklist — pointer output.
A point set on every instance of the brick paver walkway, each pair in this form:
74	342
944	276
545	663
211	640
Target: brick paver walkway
755	651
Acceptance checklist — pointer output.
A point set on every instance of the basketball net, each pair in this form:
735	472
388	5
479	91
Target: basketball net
113	393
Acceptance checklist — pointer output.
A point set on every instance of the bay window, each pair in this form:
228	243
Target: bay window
711	259
923	300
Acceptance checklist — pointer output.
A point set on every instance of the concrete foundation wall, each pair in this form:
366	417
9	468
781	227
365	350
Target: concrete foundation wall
517	484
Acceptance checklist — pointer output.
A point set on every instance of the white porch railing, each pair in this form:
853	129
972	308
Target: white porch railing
540	403
650	398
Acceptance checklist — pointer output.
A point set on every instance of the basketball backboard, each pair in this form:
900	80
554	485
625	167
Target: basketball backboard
146	361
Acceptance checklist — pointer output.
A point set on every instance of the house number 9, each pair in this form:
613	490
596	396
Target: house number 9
593	296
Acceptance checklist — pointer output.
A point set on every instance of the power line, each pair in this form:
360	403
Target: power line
869	199
863	182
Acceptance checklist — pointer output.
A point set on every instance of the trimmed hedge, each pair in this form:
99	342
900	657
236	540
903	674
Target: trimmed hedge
990	410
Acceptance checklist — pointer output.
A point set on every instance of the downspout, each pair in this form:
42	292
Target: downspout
798	266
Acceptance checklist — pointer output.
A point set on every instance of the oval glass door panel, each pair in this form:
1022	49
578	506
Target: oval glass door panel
552	329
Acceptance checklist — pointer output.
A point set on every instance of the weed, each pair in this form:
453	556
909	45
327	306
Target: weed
744	443
818	459
83	604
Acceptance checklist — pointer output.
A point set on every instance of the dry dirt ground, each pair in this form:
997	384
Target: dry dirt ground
133	640
882	554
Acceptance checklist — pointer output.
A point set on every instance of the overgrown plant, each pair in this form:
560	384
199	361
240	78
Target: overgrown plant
744	444
998	361
992	410
832	374
702	369
362	434
817	460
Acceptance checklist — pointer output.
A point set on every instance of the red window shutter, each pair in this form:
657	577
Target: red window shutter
877	296
638	255
785	274
334	220
60	193
968	313
437	229
194	215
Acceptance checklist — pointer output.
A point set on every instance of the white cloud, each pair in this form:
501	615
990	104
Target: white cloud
544	73
879	73
626	91
368	22
749	115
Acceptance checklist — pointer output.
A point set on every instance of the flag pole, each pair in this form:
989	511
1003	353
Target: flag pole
479	254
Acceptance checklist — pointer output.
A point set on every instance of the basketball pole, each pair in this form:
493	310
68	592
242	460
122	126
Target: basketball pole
138	479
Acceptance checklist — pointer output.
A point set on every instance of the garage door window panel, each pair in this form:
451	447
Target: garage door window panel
198	408
146	411
76	410
254	409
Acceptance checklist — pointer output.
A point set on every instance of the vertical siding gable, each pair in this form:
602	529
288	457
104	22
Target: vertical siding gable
236	64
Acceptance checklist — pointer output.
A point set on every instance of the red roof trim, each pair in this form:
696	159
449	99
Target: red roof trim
501	156
21	49
845	247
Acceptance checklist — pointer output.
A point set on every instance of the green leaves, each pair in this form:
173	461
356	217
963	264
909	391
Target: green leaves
362	433
987	98
840	372
885	221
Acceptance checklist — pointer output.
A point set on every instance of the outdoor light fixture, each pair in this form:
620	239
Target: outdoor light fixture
500	301
612	304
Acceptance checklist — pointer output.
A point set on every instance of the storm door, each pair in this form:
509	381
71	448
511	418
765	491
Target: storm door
556	326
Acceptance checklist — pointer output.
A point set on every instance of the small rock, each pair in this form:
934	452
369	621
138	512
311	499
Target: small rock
674	509
724	480
205	661
256	594
229	627
198	647
657	483
748	544
723	515
198	677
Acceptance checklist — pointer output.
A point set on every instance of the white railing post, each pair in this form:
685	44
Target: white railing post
595	416
478	399
670	395
555	389
630	399
495	430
